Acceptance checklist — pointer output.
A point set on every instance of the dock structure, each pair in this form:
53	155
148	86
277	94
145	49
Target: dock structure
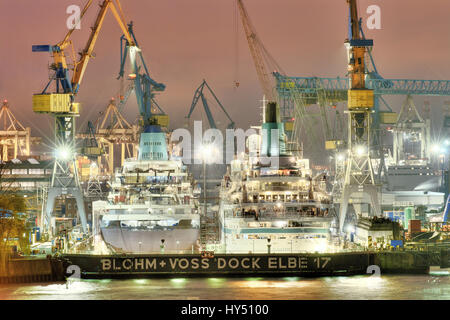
303	265
15	139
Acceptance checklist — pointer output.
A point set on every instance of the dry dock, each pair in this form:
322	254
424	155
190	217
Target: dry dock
303	265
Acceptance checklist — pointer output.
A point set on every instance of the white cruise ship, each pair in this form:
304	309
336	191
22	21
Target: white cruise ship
274	208
152	206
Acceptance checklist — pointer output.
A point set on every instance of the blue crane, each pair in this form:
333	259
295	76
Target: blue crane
152	144
335	89
200	95
62	106
144	85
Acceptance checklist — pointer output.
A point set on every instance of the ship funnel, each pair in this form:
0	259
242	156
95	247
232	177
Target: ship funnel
272	112
152	144
273	137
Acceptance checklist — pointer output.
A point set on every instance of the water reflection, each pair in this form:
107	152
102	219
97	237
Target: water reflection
290	288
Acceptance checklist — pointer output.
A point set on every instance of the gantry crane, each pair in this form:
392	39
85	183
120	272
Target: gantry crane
113	130
62	106
15	139
336	90
200	95
152	144
359	175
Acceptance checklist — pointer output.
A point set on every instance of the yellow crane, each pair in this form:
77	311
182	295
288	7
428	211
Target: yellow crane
359	175
61	105
259	54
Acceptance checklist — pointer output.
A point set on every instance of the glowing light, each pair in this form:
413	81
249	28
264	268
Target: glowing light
208	152
178	280
360	150
280	224
435	148
63	153
133	50
215	279
340	157
291	278
141	281
350	229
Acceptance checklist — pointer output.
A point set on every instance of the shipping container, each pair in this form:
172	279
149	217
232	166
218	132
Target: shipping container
414	226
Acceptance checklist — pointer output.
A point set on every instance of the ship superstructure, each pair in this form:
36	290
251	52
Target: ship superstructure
274	206
153	204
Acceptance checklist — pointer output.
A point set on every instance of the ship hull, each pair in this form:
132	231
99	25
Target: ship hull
149	241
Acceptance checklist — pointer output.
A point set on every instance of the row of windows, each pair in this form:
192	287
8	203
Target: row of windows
152	143
153	155
22	185
28	171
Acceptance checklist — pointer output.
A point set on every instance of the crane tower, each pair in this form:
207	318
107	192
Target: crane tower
359	175
62	106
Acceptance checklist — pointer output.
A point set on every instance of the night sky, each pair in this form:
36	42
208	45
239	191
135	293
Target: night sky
185	41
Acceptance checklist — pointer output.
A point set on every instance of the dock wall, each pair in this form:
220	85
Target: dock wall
304	265
32	270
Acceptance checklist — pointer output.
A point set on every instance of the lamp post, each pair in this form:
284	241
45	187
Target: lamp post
204	185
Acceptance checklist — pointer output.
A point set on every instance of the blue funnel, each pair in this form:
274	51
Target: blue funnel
152	144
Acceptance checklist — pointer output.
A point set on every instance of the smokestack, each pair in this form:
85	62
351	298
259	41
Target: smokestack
272	113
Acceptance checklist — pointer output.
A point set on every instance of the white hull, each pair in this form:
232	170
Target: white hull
149	241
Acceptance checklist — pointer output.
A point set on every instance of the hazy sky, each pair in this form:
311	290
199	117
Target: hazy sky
185	41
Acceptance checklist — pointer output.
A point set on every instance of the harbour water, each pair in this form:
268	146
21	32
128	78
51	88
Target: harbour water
435	286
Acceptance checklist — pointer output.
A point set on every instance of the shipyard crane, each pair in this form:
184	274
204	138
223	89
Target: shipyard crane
336	89
359	175
93	150
123	98
114	131
62	106
295	121
200	95
152	144
143	85
15	139
260	54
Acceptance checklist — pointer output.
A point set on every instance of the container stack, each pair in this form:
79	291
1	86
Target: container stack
414	227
